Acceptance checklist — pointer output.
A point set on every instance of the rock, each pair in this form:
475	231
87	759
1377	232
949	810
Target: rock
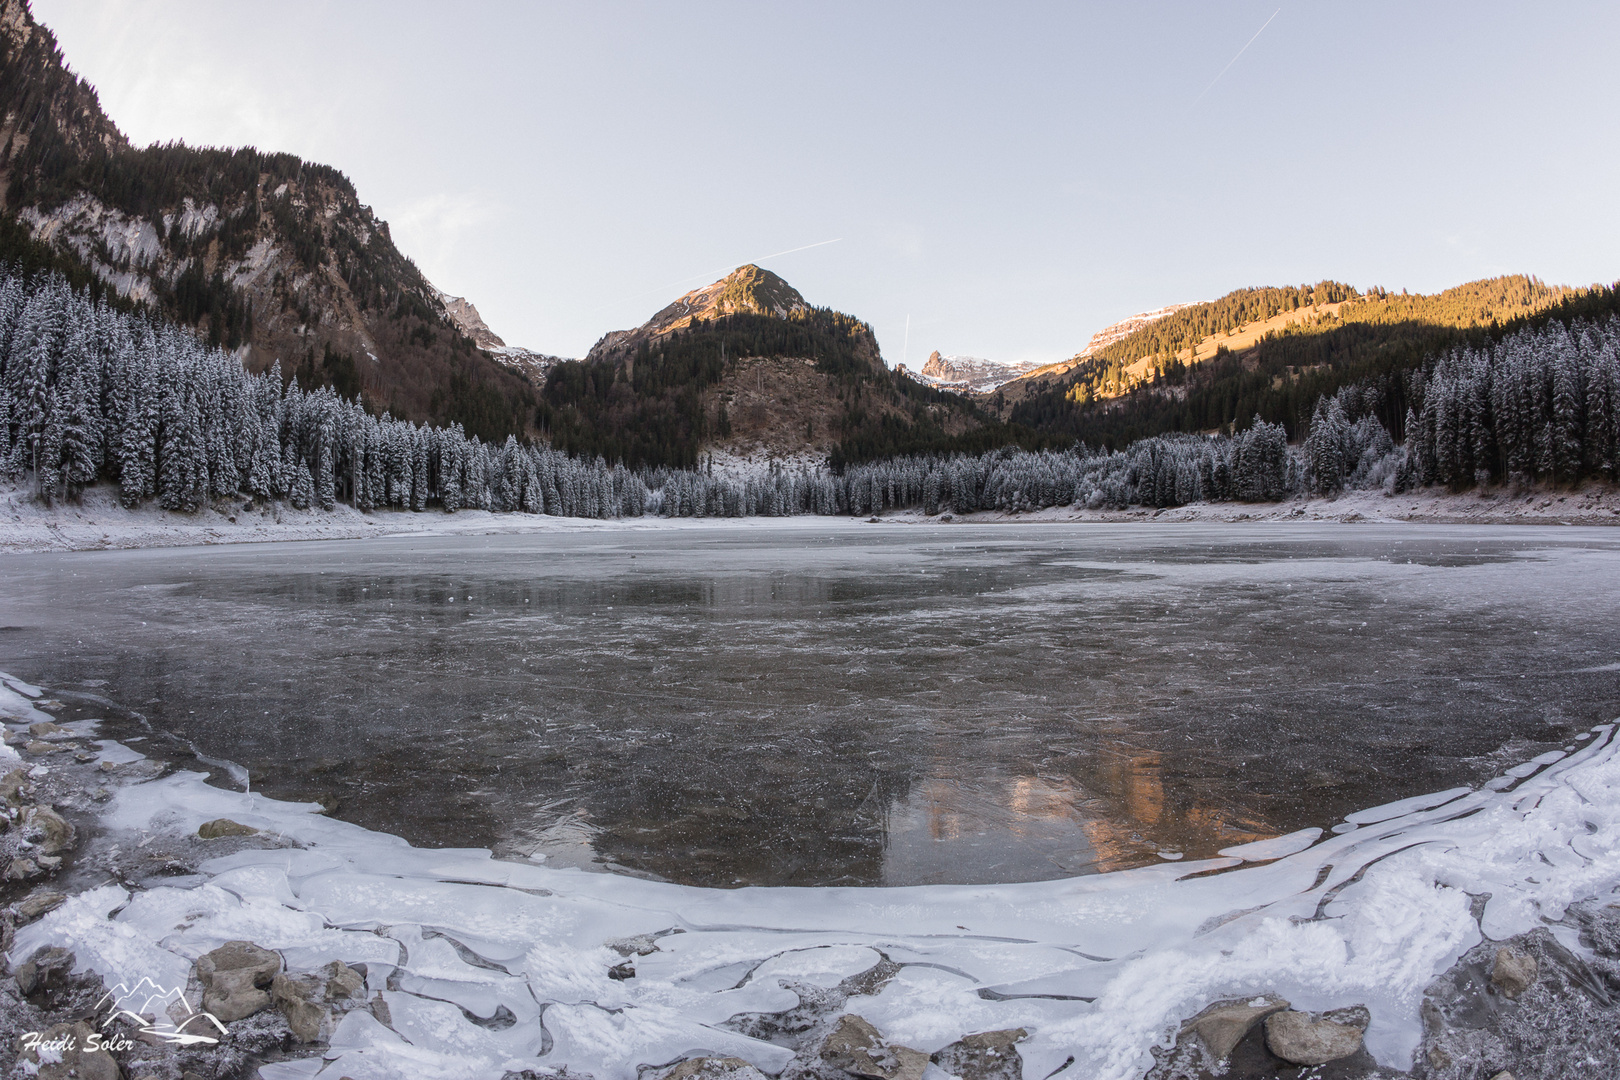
48	969
1315	1039
1223	1025
38	903
342	981
49	830
234	978
642	945
1503	1075
37	746
301	999
213	830
15	788
44	729
988	1055
856	1047
22	868
1514	972
70	1050
713	1068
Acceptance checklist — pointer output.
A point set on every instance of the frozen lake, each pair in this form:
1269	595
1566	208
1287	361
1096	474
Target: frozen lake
822	701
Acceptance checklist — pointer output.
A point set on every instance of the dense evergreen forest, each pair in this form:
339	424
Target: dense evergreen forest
92	394
1373	337
255	251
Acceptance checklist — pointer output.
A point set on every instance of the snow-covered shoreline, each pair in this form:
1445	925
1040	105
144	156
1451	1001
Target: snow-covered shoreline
98	522
476	967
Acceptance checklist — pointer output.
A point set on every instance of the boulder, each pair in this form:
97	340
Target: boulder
213	830
49	830
45	729
39	902
302	1000
48	969
988	1055
15	788
1223	1025
342	981
39	746
22	868
856	1047
713	1068
1514	971
70	1050
1316	1038
235	977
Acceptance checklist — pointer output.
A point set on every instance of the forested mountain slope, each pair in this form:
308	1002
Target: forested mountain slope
745	365
1273	352
258	252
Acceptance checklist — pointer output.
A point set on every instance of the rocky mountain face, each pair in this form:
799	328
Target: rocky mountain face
259	252
526	362
969	372
744	368
747	290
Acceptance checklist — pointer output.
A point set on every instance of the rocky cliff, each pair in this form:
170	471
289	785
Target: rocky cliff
260	252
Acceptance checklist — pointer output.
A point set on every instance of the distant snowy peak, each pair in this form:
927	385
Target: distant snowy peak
526	362
968	372
1124	328
469	322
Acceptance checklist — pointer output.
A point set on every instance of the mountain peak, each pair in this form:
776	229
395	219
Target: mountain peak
747	290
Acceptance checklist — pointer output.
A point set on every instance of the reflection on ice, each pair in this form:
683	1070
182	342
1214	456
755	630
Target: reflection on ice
476	967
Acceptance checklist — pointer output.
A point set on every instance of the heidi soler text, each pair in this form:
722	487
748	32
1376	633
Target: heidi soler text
67	1042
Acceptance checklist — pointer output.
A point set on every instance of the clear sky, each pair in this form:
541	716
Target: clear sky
1008	177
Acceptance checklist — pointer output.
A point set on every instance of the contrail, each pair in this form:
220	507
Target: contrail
1240	52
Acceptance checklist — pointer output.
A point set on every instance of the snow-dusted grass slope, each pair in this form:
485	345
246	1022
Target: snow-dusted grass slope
1099	967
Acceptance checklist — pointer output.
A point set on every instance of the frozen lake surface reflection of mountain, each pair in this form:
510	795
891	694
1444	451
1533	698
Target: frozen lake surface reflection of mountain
822	701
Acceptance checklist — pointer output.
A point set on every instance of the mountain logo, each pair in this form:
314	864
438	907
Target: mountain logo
185	1027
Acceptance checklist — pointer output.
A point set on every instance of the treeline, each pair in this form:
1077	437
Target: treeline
1382	338
1187	327
91	394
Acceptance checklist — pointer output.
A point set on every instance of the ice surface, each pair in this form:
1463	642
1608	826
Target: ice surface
17	709
1375	814
1276	847
950	705
21	687
1098	967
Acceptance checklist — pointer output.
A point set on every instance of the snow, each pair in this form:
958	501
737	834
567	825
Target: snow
99	522
1100	967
